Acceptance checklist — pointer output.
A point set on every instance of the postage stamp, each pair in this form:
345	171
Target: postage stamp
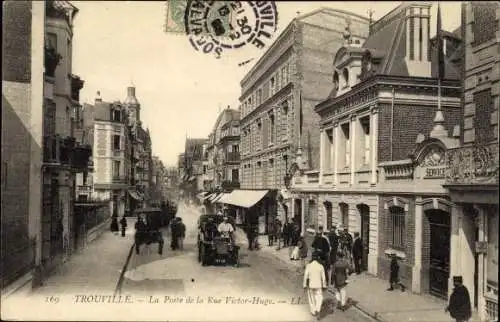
216	26
174	17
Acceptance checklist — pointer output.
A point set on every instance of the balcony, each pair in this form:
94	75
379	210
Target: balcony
230	184
76	86
472	165
232	157
119	179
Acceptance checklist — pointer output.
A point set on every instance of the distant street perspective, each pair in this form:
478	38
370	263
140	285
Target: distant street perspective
189	160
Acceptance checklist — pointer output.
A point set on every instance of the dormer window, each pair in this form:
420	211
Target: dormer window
116	115
345	75
336	81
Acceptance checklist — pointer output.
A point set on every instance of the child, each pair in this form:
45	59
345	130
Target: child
394	278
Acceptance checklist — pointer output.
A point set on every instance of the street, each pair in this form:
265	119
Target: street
262	288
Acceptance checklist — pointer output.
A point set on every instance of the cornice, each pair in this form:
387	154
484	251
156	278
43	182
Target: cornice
265	104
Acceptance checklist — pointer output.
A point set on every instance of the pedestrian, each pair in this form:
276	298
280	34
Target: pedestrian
321	244
279	233
249	233
295	234
286	234
174	244
394	275
357	253
340	272
181	233
123	223
314	283
334	243
302	251
140	232
459	306
271	232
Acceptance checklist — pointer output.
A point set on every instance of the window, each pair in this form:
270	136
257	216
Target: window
284	76
116	115
271	86
235	175
336	81
259	97
271	163
365	124
278	84
397	218
344	212
327	157
116	169
329	215
485	23
345	74
412	39
347	144
259	135
271	128
116	142
236	148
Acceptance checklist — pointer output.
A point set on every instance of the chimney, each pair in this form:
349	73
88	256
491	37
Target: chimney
98	97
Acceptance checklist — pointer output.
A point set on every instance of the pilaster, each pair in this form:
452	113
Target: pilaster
417	267
302	217
352	141
374	149
481	274
321	154
336	130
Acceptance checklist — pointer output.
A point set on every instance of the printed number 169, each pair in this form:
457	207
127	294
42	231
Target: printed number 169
52	299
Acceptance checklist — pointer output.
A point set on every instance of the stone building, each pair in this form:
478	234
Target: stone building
22	143
223	152
384	130
65	153
191	163
472	168
280	90
111	154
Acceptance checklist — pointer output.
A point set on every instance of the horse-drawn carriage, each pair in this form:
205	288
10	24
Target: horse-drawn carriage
214	247
149	222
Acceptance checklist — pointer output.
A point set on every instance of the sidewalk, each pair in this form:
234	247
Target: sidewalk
95	268
369	294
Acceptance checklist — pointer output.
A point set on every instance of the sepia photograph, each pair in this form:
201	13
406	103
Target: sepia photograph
193	160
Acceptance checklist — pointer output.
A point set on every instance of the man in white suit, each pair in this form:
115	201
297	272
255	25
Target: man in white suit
314	284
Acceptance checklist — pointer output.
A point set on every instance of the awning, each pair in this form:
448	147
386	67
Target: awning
217	199
243	198
203	195
135	194
191	178
214	197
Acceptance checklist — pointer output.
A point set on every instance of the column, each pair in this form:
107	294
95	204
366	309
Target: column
417	266
302	217
374	147
292	208
481	267
352	140
336	152
321	154
332	151
456	223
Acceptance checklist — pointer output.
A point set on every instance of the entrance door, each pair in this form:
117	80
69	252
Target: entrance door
297	216
364	212
439	269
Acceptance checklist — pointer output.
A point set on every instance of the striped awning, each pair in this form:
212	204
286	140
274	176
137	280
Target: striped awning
243	198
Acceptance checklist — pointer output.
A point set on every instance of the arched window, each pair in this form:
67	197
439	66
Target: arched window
328	214
345	75
336	81
344	213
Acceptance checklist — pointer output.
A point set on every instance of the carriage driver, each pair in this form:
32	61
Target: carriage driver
226	229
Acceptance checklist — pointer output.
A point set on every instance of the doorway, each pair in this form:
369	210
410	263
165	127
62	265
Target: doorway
297	216
439	252
364	213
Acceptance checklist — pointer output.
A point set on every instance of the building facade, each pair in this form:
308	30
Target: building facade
223	152
22	143
472	168
111	155
65	153
192	163
278	96
380	131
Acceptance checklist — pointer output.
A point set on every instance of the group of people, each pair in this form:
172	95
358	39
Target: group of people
289	233
178	232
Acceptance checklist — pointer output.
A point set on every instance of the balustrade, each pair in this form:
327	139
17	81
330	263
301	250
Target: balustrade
477	164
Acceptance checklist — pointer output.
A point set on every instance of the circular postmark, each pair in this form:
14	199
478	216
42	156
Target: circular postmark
216	26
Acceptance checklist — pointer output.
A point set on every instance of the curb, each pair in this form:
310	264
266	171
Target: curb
374	316
119	285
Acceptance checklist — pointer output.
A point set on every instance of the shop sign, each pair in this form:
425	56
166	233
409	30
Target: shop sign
481	247
435	172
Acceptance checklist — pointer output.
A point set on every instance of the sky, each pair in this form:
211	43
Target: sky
181	91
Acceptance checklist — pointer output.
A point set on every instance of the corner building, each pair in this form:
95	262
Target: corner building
378	126
295	71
